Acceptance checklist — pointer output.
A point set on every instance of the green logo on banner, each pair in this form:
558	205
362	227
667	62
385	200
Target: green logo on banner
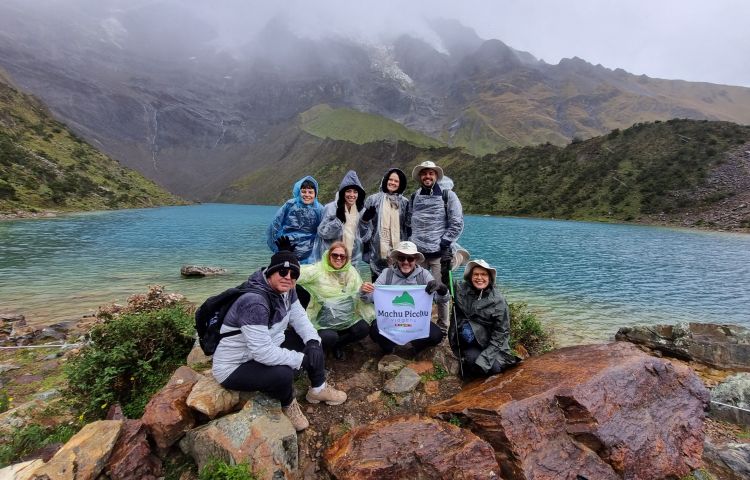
404	300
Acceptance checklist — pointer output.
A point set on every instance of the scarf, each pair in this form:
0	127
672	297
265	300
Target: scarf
390	224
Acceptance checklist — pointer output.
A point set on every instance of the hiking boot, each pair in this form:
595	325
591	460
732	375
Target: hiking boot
329	395
295	415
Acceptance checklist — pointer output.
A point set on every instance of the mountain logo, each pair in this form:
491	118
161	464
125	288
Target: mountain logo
404	300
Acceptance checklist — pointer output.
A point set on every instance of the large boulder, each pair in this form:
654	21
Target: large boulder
259	434
84	456
199	271
728	462
730	400
131	457
211	399
599	411
21	471
725	347
167	414
411	447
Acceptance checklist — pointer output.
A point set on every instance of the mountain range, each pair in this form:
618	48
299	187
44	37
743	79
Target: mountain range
206	122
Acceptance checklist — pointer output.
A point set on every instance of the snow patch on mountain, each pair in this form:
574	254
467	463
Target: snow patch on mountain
383	60
114	30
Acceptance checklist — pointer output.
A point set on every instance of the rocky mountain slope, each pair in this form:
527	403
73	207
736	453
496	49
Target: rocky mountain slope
194	116
45	166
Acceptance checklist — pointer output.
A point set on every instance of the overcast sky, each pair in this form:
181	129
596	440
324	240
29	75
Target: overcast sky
697	40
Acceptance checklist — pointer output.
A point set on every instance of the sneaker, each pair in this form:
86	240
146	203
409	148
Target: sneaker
295	415
329	395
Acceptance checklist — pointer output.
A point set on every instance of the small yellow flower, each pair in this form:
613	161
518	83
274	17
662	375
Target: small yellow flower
104	405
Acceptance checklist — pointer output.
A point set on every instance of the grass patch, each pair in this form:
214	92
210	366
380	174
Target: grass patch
438	373
31	438
220	470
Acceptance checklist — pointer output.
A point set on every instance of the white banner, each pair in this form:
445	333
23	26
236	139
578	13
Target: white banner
403	312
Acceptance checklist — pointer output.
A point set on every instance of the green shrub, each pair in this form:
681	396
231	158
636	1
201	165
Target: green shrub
220	470
128	359
526	329
30	439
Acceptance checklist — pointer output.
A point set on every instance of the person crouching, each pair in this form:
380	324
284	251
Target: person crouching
267	353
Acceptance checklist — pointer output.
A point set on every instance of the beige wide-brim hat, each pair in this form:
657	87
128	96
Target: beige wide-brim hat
424	165
406	248
460	257
479	263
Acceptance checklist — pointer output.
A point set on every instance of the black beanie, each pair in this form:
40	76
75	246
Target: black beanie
282	259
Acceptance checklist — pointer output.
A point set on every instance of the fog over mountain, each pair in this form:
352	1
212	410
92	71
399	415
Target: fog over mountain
196	96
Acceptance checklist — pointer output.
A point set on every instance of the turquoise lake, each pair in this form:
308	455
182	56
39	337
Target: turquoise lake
584	279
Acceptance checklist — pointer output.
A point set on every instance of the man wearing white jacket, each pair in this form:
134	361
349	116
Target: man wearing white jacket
266	354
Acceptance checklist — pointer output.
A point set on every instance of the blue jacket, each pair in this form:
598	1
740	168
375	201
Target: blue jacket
297	221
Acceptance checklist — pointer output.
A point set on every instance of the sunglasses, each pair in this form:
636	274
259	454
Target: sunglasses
338	256
283	272
404	258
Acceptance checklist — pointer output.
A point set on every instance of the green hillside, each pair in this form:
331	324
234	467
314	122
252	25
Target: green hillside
44	166
660	168
358	127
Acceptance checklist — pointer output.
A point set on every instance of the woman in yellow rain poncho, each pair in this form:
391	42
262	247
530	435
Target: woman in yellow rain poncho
335	308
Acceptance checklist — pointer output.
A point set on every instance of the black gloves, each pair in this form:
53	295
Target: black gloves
314	356
340	213
435	286
284	243
369	214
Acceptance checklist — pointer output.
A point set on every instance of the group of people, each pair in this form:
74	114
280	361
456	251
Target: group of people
314	299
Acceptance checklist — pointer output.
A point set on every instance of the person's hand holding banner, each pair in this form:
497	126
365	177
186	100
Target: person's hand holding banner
403	312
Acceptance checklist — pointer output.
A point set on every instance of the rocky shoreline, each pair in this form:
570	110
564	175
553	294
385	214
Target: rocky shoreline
577	399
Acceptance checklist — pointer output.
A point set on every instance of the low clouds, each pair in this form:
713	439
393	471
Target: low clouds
693	40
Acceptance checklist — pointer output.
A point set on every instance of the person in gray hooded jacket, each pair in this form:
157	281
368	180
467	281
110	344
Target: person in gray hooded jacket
384	220
481	332
341	219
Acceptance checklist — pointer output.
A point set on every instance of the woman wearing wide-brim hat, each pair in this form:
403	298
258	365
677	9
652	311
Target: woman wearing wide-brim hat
481	330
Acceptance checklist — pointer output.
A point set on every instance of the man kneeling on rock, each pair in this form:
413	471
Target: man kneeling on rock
267	353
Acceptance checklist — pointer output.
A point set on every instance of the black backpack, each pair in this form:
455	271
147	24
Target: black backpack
210	316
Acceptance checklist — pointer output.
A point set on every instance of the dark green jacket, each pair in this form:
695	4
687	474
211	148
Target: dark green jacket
489	317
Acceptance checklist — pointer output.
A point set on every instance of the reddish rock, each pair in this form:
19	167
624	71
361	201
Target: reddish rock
184	375
432	387
411	447
425	366
131	459
167	415
598	411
